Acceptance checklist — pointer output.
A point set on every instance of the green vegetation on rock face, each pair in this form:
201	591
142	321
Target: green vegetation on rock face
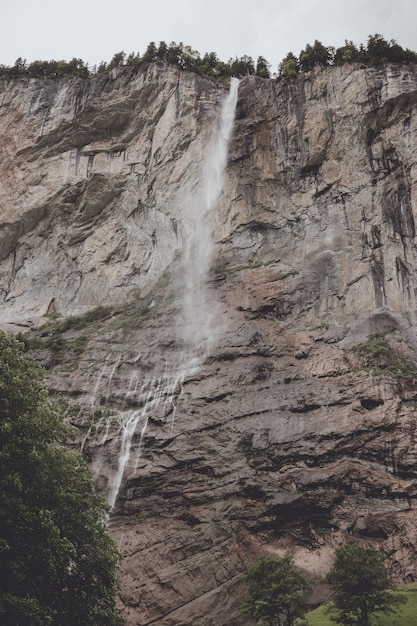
57	560
64	350
382	359
377	52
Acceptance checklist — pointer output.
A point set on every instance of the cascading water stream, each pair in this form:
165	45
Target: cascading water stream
199	217
153	393
199	212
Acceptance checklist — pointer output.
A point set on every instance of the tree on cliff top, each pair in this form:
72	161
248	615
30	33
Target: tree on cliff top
360	585
57	560
277	592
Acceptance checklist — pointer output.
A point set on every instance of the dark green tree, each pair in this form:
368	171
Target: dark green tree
348	53
19	68
209	63
57	560
378	49
162	51
117	60
189	59
174	53
277	592
151	52
318	54
133	59
242	67
289	66
360	586
262	67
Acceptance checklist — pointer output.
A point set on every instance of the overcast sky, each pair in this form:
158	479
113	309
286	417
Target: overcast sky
95	30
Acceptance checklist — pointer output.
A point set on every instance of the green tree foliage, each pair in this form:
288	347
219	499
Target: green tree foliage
289	67
57	561
360	586
315	55
210	63
348	53
377	52
277	592
162	51
380	50
118	60
262	68
151	52
242	67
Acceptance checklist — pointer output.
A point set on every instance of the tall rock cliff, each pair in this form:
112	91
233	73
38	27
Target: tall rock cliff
293	427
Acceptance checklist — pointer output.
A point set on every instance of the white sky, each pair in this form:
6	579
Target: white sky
95	30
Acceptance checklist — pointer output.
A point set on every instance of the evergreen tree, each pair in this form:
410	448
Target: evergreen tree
117	60
348	53
289	67
162	51
262	68
150	52
315	55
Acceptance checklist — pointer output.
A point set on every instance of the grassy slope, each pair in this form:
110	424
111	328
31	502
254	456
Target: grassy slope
406	615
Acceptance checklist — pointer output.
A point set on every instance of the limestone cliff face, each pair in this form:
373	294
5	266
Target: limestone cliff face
90	181
284	436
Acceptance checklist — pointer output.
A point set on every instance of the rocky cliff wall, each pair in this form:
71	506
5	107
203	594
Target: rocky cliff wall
296	430
92	171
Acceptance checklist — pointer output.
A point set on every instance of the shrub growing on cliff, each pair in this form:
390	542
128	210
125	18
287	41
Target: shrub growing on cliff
382	359
360	585
277	592
57	560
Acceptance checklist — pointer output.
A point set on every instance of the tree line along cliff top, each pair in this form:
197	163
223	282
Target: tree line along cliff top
376	52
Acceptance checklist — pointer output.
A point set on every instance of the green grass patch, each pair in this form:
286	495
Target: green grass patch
132	316
65	352
97	314
382	359
405	615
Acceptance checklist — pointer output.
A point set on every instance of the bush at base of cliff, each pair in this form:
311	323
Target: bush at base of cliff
57	561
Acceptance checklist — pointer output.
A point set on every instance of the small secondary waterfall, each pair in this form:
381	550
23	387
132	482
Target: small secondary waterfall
154	392
199	214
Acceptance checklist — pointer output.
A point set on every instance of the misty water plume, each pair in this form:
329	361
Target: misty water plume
124	432
200	206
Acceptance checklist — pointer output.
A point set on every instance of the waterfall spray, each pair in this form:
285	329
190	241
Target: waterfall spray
199	208
199	213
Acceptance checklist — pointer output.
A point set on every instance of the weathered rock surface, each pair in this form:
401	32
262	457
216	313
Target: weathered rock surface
284	437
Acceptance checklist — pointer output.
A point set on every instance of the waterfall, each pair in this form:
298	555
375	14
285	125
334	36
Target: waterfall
153	393
199	213
199	207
